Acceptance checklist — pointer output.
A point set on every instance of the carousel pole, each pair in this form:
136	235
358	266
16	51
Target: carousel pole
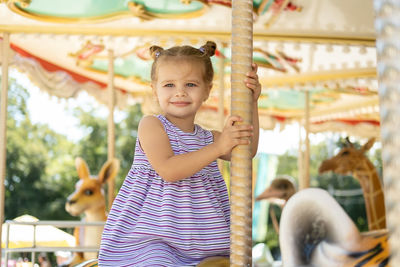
221	105
305	182
300	157
388	50
3	122
110	123
221	91
241	160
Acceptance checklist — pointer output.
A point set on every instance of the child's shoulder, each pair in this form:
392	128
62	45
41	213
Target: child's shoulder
150	122
149	118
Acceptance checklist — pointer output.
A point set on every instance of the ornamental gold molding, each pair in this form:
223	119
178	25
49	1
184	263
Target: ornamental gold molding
139	11
134	9
306	78
23	3
222	35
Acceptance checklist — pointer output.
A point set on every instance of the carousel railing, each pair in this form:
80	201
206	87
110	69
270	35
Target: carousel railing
34	248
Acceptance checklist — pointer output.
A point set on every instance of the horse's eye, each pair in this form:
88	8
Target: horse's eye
88	192
344	153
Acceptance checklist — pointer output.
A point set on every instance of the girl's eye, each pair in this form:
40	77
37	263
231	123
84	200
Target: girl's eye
191	85
169	85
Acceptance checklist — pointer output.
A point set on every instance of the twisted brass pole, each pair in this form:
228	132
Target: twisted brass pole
388	50
241	161
3	121
111	124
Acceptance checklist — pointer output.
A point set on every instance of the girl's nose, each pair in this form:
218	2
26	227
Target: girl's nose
180	91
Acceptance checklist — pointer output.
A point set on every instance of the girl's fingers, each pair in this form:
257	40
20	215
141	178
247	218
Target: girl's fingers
243	141
232	119
251	80
244	127
251	86
252	76
248	132
254	67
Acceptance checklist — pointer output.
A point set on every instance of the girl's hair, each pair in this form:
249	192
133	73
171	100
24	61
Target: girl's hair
202	54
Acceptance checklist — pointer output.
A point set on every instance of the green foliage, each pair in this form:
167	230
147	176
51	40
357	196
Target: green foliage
93	147
347	192
318	153
30	182
287	164
40	168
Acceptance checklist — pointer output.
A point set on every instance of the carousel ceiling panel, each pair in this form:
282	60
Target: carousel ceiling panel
335	18
73	11
325	47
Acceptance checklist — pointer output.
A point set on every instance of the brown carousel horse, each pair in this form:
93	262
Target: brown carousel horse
88	199
351	160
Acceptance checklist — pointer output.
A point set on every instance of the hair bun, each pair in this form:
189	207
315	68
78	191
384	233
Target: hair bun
155	51
209	48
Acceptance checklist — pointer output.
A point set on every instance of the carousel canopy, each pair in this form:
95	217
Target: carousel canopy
323	47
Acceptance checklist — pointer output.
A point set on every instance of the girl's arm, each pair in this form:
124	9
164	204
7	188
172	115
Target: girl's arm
256	130
155	143
253	84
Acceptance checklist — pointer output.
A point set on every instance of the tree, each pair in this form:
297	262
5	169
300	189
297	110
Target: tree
40	168
32	185
93	147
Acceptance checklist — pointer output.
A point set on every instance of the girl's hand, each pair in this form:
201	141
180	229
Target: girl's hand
252	82
233	135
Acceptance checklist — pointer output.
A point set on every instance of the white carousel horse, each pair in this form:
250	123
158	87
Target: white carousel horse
316	231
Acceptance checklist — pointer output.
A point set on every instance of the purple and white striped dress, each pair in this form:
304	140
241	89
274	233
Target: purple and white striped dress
156	223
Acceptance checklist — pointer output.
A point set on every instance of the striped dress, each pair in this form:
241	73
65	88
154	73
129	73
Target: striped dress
156	223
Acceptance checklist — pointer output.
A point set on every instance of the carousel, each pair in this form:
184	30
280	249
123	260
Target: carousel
325	65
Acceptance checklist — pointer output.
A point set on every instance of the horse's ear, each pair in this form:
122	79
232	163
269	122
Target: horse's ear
82	168
368	145
348	142
109	170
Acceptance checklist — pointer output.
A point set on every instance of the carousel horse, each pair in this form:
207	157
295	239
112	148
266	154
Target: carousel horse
88	199
316	231
354	161
281	189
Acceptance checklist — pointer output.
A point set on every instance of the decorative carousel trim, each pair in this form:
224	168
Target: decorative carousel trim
89	52
61	84
223	35
306	78
275	15
360	129
134	9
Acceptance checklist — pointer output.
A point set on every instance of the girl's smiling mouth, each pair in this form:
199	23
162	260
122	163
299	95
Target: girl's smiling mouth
180	103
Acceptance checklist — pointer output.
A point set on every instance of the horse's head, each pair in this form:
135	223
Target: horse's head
348	160
89	195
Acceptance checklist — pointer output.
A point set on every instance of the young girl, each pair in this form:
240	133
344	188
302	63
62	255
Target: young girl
173	207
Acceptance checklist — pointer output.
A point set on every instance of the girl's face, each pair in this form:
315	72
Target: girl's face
180	87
